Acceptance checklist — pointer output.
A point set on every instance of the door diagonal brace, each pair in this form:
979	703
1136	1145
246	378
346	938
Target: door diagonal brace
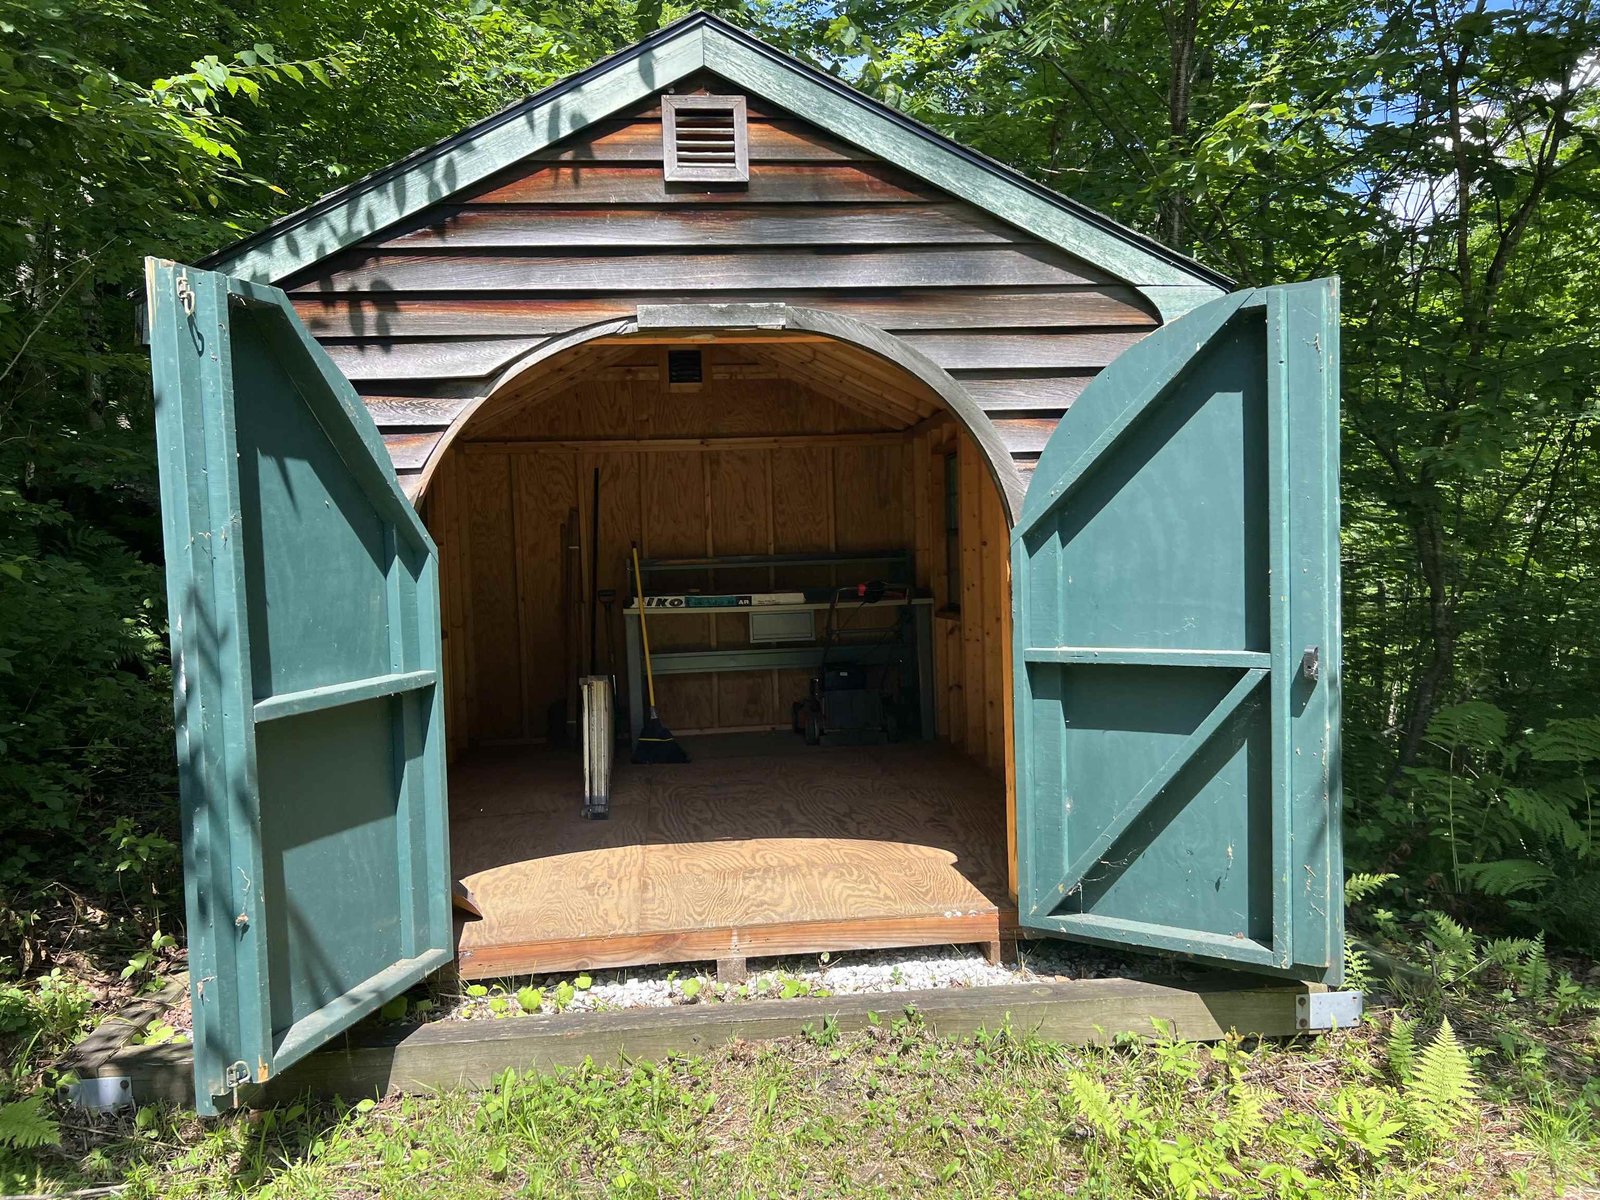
1161	780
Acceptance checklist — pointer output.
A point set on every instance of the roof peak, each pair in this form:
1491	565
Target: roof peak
703	41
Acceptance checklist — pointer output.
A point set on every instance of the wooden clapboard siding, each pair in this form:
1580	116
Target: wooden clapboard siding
384	315
635	140
770	183
426	315
718	269
502	227
391	358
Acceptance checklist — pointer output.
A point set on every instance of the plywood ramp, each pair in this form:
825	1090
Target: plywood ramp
759	846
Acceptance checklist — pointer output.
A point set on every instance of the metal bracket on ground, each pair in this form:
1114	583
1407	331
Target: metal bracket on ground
1327	1010
100	1093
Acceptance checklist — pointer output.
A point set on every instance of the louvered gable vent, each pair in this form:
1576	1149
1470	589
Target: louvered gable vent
684	368
706	139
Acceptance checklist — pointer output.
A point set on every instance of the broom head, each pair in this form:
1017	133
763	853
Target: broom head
656	743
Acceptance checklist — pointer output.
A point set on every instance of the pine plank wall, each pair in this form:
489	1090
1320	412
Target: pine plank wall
810	474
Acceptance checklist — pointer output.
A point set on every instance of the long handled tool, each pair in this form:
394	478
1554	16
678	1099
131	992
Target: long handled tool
655	744
598	706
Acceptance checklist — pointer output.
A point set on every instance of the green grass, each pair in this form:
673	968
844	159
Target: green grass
895	1111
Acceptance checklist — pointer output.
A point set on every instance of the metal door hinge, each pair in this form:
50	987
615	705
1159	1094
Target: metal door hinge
1327	1010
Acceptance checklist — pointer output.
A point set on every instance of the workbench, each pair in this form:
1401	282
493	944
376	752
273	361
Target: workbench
917	650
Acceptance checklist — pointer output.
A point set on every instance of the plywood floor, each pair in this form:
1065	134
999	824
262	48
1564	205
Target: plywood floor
760	845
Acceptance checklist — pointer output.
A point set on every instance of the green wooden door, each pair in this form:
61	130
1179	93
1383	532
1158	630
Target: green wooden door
303	597
1175	579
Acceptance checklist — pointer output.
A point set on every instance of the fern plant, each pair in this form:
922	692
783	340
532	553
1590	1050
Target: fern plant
1366	1125
1510	816
24	1125
1441	1092
1359	885
1402	1048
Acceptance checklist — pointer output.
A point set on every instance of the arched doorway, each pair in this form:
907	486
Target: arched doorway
750	454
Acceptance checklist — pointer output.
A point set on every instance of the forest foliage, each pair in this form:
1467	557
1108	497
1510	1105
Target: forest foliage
1441	157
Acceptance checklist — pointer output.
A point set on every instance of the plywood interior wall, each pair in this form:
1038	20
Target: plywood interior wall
807	472
972	625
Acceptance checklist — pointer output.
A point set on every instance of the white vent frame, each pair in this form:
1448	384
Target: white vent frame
680	170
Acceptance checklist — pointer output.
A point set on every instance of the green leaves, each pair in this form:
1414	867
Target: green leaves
1441	1094
24	1125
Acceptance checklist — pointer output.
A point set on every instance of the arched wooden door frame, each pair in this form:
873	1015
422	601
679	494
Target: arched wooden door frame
707	318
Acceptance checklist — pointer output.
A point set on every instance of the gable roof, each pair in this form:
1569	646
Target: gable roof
1173	282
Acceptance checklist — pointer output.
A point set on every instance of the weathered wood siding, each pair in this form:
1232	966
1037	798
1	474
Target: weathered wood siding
424	316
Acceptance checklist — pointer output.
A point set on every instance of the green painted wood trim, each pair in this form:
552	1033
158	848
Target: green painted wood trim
1143	370
1173	283
1138	657
857	119
293	704
1307	318
357	439
1159	782
193	386
1114	931
307	1035
371	205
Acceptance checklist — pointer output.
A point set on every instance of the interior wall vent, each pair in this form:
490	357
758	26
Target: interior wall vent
685	368
705	139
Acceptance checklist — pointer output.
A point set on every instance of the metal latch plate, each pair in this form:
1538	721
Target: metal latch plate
1327	1010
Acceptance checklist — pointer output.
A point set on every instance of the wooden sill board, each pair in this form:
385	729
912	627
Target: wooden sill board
374	1060
754	941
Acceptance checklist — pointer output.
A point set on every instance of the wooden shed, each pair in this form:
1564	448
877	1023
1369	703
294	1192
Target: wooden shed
794	342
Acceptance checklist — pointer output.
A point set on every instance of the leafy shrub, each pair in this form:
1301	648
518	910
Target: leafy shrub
1509	818
85	715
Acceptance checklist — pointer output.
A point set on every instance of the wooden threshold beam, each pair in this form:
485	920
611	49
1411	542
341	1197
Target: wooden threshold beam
444	1055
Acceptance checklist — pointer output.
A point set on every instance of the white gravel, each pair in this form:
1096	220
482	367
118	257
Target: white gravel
853	973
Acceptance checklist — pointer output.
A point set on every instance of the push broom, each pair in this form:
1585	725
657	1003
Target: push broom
656	744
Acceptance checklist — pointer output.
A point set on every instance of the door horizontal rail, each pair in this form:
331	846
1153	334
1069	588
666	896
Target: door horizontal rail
1128	656
333	695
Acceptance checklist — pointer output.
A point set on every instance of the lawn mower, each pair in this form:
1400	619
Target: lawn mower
859	701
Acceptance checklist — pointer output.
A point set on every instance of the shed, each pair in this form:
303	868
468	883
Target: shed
707	299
